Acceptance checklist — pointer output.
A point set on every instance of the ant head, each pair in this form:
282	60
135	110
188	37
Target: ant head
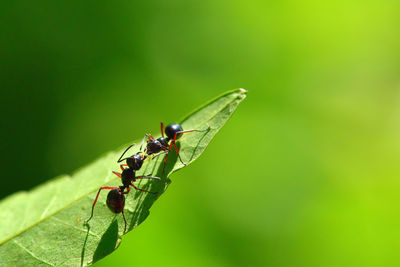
127	176
135	162
172	129
116	200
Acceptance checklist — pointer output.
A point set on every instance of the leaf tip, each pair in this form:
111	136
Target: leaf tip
243	91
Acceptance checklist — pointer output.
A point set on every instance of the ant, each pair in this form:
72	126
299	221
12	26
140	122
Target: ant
173	131
115	198
135	161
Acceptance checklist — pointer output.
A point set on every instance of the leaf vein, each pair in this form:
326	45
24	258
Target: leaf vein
74	227
48	206
31	253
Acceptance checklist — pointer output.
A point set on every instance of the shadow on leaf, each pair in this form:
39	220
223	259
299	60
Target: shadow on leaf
108	243
142	209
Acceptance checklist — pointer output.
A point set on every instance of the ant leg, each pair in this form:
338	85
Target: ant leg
169	149
120	158
123	215
141	144
162	129
177	152
194	130
127	191
97	196
187	131
147	177
144	138
143	190
163	152
117	174
122	166
179	156
176	149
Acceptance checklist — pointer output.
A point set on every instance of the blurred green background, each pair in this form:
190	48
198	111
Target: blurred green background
306	173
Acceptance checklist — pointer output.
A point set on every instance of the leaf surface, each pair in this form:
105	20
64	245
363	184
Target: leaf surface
45	226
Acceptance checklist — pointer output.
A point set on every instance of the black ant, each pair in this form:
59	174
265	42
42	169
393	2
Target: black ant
115	198
135	161
160	145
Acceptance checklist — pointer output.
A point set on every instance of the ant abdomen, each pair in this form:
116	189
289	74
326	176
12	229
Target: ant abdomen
115	200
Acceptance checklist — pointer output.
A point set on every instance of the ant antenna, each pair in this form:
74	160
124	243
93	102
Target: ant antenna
120	158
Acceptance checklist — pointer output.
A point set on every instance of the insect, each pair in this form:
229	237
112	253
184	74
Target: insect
135	161
163	145
115	198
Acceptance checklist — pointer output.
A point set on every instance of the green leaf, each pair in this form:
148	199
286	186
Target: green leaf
45	226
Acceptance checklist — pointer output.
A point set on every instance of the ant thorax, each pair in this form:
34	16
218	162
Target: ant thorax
127	176
164	141
154	146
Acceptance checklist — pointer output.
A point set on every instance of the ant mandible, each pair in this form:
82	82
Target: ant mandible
173	131
115	198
